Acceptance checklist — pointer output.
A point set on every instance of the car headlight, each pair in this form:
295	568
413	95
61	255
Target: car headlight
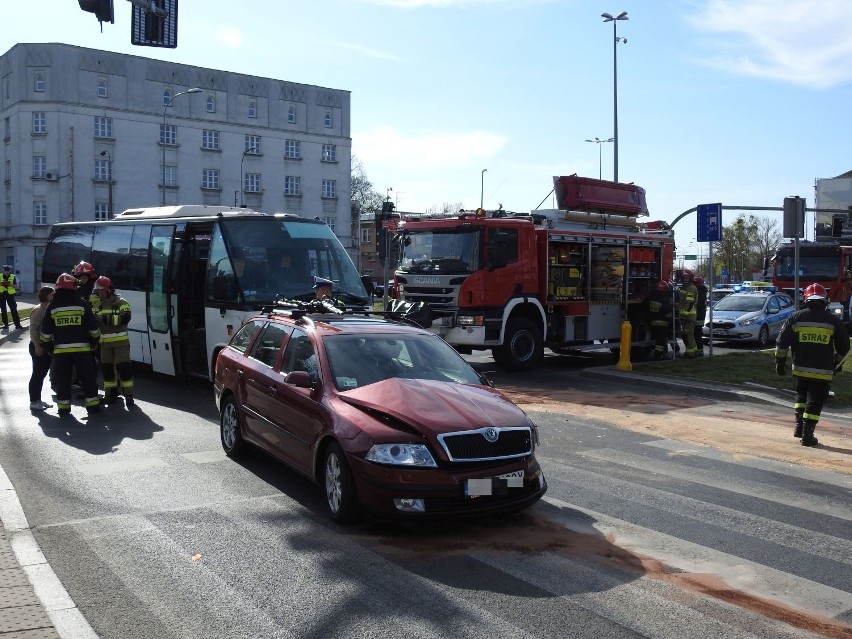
748	322
402	455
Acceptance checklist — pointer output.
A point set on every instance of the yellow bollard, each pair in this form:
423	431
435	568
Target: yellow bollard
624	352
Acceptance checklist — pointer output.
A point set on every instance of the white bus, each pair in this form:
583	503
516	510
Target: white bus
193	274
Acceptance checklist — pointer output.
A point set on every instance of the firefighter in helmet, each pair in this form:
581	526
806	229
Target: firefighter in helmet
820	343
69	330
114	314
686	308
86	277
659	308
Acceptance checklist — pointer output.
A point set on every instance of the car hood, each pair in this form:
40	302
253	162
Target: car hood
433	407
735	316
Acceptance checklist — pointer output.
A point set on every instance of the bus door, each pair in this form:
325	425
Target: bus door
189	269
161	305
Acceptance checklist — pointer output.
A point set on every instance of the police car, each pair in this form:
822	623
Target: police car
754	316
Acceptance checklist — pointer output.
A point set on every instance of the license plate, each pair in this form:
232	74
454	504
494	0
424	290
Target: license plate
498	485
720	331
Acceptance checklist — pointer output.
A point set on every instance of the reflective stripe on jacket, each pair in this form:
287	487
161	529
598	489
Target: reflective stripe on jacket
818	340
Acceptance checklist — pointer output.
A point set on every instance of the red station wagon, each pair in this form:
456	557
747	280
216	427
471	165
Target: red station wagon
386	417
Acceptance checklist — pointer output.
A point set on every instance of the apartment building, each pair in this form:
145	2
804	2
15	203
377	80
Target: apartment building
89	133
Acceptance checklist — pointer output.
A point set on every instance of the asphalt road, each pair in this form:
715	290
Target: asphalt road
153	532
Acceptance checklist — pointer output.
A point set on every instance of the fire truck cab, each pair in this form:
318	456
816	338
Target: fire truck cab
564	279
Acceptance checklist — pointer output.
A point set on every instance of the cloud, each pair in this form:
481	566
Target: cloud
430	149
804	43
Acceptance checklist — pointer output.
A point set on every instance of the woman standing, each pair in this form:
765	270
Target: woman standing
41	358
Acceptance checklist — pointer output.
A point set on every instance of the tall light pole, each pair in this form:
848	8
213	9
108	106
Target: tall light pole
109	181
599	142
251	151
165	107
615	40
482	189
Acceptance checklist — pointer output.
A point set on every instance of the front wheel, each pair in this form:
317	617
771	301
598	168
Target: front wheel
763	337
340	497
522	346
230	429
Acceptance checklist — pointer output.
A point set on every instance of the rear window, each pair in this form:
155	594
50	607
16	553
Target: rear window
245	335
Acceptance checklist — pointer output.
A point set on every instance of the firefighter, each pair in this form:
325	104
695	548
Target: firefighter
659	309
687	313
86	277
69	330
8	289
114	314
820	343
700	314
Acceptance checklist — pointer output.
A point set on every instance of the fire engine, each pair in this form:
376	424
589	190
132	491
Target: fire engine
564	279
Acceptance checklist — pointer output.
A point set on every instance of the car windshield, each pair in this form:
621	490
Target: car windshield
363	359
741	303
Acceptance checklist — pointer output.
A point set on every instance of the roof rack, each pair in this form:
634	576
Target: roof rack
414	313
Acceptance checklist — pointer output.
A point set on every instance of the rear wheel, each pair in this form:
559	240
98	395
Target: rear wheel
340	497
230	429
522	347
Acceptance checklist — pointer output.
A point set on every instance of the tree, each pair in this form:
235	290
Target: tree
364	196
445	209
745	243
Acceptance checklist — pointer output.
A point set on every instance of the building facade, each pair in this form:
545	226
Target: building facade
833	194
88	134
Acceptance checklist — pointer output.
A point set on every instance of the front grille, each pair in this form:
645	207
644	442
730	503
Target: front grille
472	445
725	325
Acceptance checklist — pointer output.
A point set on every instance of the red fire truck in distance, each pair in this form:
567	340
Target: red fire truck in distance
515	283
826	261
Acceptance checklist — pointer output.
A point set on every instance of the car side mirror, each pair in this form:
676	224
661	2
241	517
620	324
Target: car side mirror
772	311
300	379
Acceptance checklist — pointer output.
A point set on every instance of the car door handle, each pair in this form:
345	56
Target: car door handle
240	374
273	390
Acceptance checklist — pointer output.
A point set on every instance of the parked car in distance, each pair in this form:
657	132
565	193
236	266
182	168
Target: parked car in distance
754	316
719	293
386	417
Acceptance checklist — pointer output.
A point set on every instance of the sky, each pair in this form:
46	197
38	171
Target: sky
742	102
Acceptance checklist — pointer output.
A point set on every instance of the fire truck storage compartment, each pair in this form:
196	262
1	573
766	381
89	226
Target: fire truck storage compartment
607	274
588	194
566	271
604	320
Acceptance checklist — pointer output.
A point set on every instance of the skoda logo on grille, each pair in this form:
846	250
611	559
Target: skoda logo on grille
491	434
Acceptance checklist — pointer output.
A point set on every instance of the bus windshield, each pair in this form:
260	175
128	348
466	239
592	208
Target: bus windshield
450	251
825	268
253	260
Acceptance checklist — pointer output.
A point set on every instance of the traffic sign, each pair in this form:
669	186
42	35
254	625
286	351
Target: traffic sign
690	257
709	223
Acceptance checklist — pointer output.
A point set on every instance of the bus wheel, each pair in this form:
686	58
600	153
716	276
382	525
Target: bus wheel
230	429
522	347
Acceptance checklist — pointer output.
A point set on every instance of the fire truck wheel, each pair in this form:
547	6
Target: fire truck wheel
522	347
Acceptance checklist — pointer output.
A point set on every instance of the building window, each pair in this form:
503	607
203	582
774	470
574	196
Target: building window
167	97
8	170
210	179
366	235
39	166
327	120
292	185
329	188
211	104
102	87
210	140
292	149
103	126
291	115
168	177
103	170
329	153
168	134
252	109
253	144
40	213
39	84
251	183
39	122
7	128
329	222
101	211
8	214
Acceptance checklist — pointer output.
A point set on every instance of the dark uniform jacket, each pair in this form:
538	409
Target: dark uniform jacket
818	339
659	307
69	325
701	303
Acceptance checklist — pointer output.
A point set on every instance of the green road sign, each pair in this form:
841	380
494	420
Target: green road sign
690	257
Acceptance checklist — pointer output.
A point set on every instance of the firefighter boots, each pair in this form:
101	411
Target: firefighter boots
798	431
808	427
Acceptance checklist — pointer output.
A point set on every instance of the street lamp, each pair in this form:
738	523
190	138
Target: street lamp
482	189
598	141
615	40
109	181
250	151
165	107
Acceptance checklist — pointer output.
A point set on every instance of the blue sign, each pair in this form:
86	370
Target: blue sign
709	223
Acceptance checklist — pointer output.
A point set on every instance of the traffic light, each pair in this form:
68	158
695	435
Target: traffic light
101	8
155	25
387	207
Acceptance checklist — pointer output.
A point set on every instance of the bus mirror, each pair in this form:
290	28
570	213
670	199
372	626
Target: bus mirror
368	283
